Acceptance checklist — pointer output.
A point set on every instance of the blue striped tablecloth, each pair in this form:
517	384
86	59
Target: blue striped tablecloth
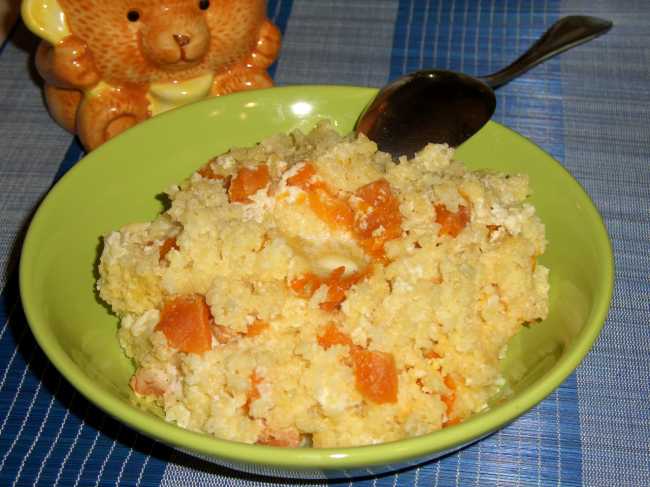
590	108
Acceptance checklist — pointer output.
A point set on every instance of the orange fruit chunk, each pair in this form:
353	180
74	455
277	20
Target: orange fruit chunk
256	328
185	321
302	177
375	375
384	209
338	285
451	223
208	173
225	335
431	354
166	246
450	397
451	422
379	210
247	182
306	285
253	393
334	211
333	336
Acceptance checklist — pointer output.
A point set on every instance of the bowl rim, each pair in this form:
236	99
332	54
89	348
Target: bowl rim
395	452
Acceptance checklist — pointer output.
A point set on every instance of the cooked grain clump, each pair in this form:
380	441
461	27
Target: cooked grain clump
309	291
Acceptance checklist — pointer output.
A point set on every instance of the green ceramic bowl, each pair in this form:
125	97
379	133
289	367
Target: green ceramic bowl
118	184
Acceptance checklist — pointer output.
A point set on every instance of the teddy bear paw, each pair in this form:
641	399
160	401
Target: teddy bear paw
239	79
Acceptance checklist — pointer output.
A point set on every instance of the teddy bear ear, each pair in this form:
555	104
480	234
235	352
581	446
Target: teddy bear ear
46	19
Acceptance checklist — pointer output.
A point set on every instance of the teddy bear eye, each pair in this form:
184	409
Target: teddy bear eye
133	15
204	4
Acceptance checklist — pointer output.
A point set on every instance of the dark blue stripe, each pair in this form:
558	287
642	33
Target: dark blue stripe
278	12
39	400
471	36
400	38
74	153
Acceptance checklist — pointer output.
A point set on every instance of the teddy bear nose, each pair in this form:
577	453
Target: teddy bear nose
182	39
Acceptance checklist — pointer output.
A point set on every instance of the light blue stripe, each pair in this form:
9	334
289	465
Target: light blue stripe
337	42
34	401
606	118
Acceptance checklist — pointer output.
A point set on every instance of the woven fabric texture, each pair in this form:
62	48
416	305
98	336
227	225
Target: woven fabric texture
589	108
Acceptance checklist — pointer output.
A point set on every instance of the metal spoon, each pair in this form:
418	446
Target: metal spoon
440	106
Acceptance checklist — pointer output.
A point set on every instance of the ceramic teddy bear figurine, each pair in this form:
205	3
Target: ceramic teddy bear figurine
109	65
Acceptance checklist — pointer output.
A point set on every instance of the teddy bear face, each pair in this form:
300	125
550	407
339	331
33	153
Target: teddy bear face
146	41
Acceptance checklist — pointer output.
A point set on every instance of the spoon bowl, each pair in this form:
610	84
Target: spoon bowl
427	106
439	106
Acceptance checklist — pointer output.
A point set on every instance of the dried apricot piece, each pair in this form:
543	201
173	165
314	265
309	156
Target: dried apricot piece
375	375
374	372
338	285
430	354
334	211
451	422
208	172
384	209
253	393
450	397
185	321
451	223
306	285
378	218
256	328
166	246
247	182
333	336
302	178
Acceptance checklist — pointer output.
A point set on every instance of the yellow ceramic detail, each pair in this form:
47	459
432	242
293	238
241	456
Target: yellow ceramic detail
165	96
46	19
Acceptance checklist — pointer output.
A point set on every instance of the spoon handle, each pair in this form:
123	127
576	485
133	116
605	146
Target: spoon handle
566	33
